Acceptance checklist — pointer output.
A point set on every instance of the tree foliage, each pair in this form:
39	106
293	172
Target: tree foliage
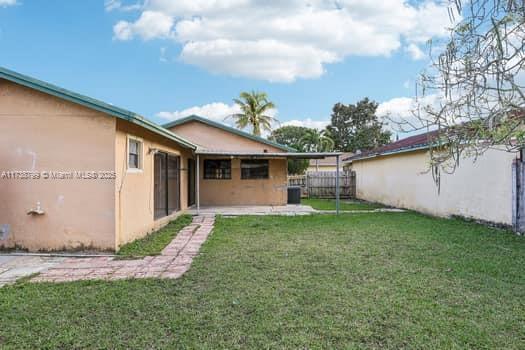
291	136
356	127
473	91
254	112
316	141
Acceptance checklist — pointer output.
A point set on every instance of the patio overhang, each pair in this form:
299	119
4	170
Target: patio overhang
266	155
291	155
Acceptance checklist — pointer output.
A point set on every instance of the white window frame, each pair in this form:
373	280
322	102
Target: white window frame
141	154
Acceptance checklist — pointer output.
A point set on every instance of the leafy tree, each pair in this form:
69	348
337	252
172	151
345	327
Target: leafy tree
473	92
291	136
356	127
317	141
254	108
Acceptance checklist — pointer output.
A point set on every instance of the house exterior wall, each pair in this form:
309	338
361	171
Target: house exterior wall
42	133
272	191
480	190
212	138
313	168
134	200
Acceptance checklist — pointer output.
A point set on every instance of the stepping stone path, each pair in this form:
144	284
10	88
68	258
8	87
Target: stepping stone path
174	261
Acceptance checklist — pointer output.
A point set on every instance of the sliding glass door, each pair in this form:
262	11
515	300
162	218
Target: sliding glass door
166	184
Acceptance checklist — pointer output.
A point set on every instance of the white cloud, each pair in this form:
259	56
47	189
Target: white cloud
407	113
216	111
266	59
308	123
287	39
111	5
5	3
149	26
415	52
399	107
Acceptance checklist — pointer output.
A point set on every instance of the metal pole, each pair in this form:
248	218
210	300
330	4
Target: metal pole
197	180
337	185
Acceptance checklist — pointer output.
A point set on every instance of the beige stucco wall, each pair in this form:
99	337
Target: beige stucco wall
43	133
134	190
212	138
480	190
324	168
272	191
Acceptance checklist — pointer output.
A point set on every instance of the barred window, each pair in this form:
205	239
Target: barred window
255	169
218	169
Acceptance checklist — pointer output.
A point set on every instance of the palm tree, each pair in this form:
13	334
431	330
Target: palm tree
254	108
317	141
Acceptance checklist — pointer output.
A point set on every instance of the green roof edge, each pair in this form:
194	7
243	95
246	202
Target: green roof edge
91	103
194	117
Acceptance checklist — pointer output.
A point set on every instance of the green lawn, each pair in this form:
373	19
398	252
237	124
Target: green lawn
153	243
381	280
329	204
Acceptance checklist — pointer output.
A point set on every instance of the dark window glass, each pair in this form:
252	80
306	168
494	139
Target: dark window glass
254	169
134	154
219	169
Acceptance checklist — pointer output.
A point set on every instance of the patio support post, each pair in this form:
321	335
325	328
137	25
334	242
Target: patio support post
337	184
197	180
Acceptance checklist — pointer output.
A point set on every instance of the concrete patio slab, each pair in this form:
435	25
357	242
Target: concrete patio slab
14	267
288	210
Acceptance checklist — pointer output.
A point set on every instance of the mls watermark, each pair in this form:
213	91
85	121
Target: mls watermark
57	175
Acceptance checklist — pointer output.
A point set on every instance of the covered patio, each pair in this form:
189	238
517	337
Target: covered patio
258	209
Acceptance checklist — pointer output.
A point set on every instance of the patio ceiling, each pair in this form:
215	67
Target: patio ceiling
293	155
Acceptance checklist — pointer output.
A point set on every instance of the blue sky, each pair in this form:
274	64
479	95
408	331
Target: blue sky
186	56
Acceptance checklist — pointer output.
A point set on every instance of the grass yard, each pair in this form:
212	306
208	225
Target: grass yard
382	280
153	243
344	204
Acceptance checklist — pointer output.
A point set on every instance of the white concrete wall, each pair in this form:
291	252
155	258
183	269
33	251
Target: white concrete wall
480	190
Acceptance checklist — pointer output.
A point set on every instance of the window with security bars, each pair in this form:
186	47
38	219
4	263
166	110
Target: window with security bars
217	169
255	169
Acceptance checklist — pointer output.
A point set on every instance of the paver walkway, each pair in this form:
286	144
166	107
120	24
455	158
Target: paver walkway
174	261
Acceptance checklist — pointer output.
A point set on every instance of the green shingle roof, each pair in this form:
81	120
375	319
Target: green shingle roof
228	129
91	103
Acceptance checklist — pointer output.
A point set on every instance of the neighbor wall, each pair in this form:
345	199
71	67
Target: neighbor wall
480	189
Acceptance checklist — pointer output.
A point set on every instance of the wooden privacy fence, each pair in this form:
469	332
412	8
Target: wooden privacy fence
321	184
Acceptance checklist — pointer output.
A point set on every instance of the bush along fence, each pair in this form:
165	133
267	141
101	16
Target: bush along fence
321	184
